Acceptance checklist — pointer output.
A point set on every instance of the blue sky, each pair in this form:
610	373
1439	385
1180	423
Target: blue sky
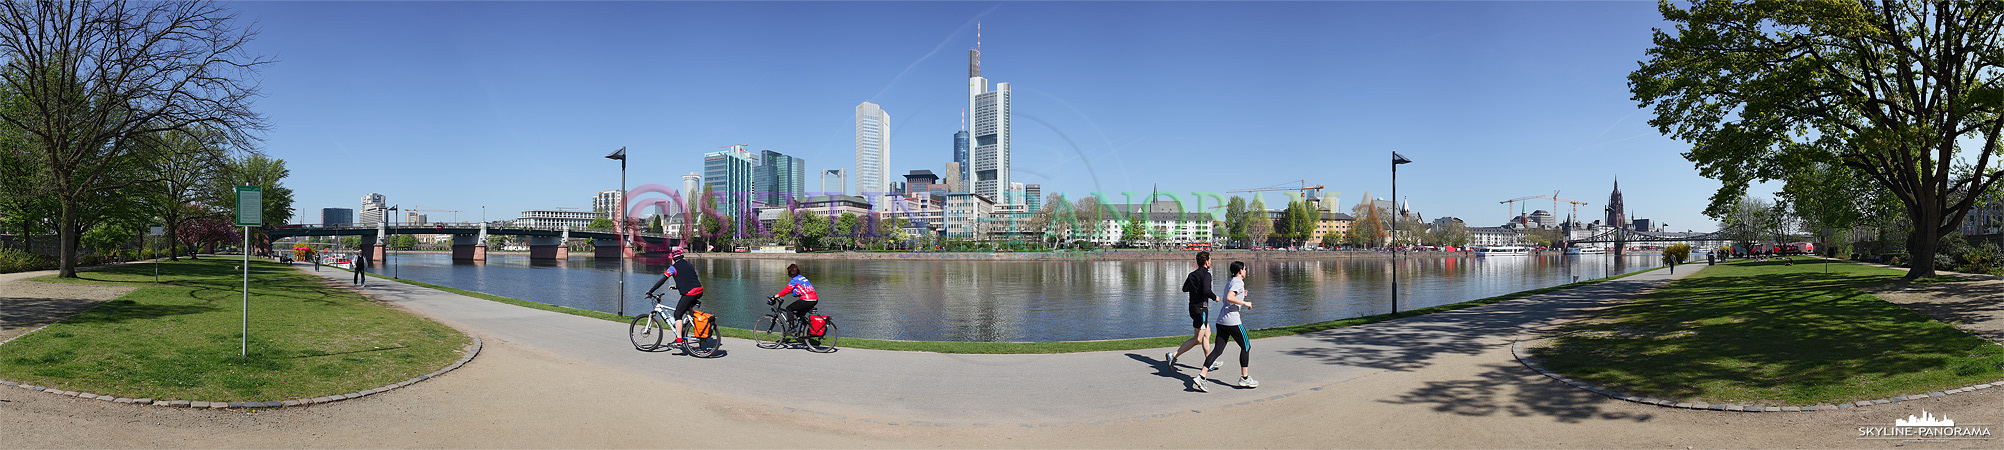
511	106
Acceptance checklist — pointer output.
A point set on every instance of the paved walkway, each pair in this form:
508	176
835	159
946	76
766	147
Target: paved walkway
1012	390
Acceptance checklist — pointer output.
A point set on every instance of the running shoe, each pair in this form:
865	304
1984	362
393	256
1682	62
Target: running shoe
1248	382
1200	384
1171	358
1217	366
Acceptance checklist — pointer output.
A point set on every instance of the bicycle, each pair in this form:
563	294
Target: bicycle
650	328
776	327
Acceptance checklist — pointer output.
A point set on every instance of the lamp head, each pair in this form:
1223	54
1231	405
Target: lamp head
618	154
1399	159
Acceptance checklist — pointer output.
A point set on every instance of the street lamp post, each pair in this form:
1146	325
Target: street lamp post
1396	161
619	227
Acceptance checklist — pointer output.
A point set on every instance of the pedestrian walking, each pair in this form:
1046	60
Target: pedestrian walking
361	264
1198	284
1230	328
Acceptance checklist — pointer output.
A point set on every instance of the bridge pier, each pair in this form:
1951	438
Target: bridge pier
605	249
548	248
467	247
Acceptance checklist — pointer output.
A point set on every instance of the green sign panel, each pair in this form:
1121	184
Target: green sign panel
250	206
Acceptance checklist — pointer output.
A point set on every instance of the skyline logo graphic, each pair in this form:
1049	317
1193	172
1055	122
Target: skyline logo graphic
1925	427
1926	419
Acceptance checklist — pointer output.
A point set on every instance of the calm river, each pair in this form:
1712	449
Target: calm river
1021	301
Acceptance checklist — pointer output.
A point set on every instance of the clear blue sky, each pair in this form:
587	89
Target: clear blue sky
459	105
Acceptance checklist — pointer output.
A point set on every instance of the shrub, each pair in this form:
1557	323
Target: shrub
15	260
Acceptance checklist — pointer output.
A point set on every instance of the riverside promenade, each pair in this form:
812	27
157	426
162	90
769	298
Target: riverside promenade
554	380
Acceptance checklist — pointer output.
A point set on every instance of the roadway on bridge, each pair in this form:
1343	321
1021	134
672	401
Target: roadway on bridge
1014	390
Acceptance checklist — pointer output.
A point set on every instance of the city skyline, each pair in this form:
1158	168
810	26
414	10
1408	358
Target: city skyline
1510	99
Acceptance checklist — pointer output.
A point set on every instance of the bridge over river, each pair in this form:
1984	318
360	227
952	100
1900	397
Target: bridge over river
469	239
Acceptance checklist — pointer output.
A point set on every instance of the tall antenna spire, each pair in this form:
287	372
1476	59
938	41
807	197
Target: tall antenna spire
963	119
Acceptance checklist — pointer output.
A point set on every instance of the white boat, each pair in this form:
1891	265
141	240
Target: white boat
1503	250
1585	250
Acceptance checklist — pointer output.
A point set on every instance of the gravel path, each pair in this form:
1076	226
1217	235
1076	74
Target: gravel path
1464	391
27	305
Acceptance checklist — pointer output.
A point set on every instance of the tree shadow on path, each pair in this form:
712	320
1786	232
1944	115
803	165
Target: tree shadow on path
1414	343
1517	391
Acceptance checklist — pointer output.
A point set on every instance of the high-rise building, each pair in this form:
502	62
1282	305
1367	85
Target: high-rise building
692	186
374	209
841	185
873	150
334	217
411	218
1033	196
780	177
955	180
989	175
920	181
961	150
605	203
1617	217
728	174
1016	192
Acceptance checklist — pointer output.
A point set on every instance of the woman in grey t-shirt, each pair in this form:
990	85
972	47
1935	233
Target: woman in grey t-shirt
1230	328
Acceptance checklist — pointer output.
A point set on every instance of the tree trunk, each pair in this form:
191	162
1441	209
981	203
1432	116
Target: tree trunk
67	255
1922	246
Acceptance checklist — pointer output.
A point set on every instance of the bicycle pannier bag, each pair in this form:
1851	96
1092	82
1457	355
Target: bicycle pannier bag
699	323
817	325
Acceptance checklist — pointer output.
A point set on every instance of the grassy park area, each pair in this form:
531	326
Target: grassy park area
179	339
1768	332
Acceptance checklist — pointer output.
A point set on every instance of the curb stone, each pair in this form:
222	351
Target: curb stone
1517	350
471	350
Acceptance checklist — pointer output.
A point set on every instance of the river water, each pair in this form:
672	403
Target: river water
1029	301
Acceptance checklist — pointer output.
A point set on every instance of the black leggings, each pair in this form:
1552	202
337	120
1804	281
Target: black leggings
800	308
688	302
1228	333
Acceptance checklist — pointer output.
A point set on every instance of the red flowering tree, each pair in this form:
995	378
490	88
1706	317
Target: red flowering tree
206	233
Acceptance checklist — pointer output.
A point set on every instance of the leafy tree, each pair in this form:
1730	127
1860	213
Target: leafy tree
1259	224
1132	232
1452	233
656	226
600	224
356	241
207	232
1236	220
1091	215
256	170
813	228
893	227
846	228
95	78
1898	91
186	171
786	228
1369	229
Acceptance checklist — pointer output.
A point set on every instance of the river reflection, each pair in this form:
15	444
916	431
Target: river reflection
1020	300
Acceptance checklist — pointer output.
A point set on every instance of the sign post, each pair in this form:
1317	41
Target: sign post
250	212
156	231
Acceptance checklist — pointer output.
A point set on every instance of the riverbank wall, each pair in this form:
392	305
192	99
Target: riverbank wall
1178	255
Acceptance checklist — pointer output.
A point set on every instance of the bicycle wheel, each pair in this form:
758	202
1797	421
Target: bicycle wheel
825	343
768	332
646	333
703	347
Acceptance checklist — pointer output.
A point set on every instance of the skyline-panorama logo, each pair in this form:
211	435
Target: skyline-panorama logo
1925	427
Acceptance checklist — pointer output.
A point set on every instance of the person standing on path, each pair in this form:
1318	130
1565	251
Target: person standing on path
1231	328
1198	284
361	264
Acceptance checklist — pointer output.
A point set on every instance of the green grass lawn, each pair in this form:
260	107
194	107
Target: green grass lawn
1044	347
180	339
1768	333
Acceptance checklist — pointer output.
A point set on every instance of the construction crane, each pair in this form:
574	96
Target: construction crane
455	212
1512	205
1296	185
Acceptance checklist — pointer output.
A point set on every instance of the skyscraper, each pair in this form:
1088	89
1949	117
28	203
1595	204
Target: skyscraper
332	217
374	209
841	185
961	151
780	177
873	150
1033	196
692	186
989	175
728	174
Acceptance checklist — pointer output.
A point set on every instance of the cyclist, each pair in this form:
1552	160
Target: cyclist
686	280
799	287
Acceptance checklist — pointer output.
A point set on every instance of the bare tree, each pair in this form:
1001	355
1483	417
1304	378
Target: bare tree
96	78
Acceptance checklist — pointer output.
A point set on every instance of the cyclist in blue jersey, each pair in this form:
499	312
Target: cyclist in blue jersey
798	286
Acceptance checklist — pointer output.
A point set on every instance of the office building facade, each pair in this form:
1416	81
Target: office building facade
728	175
990	174
779	178
873	150
606	204
375	209
334	217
